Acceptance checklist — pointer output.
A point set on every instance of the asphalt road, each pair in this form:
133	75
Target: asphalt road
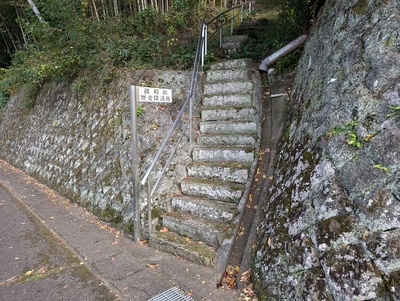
35	265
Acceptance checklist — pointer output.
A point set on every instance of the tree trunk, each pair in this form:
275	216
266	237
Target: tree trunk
116	11
35	10
96	14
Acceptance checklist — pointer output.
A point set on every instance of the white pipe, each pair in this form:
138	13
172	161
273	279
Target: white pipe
267	62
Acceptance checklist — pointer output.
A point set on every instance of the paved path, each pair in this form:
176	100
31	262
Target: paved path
52	249
35	265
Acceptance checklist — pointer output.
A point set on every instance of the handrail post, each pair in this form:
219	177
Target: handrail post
191	104
232	20
204	42
220	31
135	171
150	226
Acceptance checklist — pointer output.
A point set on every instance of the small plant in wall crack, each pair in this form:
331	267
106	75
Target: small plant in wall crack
352	139
394	111
381	167
350	130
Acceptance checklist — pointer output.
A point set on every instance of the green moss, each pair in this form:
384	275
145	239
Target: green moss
308	157
118	120
107	214
360	7
330	229
203	250
118	198
107	179
156	212
128	228
308	104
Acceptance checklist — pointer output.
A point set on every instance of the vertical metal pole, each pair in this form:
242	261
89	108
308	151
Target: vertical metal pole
135	172
191	105
204	43
220	31
205	39
149	207
232	20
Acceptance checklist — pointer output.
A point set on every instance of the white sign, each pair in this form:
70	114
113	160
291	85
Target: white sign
147	94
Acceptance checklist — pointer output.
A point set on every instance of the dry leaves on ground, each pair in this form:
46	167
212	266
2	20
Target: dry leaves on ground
247	294
229	279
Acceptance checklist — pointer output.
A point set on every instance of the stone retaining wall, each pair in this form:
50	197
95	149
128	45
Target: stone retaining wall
330	227
79	143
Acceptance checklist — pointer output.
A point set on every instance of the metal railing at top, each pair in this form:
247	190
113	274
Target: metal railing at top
236	11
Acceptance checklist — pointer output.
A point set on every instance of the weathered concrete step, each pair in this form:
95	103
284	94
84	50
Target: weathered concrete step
239	87
228	100
235	39
228	127
227	113
235	140
236	173
212	189
194	251
217	76
232	64
204	208
239	155
209	232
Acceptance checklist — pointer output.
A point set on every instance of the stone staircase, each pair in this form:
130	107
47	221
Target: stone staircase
206	213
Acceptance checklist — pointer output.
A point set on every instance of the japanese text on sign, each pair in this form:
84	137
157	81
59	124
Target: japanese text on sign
147	94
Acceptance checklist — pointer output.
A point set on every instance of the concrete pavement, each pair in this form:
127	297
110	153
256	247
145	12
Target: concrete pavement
91	259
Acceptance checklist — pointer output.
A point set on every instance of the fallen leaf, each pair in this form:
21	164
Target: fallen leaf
29	273
42	270
152	265
164	230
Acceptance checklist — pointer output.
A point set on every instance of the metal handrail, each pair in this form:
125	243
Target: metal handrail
201	51
189	102
221	22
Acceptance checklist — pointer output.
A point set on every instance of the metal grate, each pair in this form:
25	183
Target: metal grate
173	294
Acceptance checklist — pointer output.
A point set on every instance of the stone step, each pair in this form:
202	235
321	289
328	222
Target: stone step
232	44
235	140
228	127
232	64
198	229
228	100
225	75
227	154
235	39
236	173
243	87
173	243
211	210
227	113
212	189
